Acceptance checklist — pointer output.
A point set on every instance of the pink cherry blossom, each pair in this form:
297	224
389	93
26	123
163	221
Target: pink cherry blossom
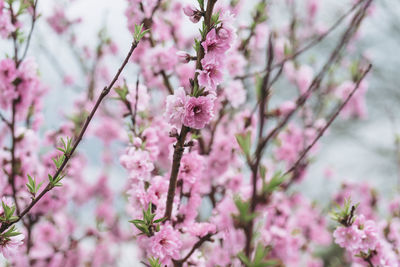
304	78
211	75
165	244
175	107
349	238
193	14
214	44
9	247
356	106
235	94
6	27
138	97
198	111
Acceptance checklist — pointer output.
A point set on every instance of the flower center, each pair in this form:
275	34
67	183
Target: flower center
196	110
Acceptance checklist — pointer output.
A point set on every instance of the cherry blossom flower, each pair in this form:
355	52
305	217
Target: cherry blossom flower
165	244
198	111
9	247
175	107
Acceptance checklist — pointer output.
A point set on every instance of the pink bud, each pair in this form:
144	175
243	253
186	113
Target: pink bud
312	8
137	142
193	14
183	56
189	10
287	107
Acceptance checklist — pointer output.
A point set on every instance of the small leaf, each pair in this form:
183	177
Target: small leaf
138	34
244	141
160	220
243	258
201	4
274	183
154	262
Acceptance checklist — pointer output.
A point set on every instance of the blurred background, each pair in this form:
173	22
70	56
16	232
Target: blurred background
353	150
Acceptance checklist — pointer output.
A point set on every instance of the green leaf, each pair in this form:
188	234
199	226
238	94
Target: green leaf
243	258
274	183
122	92
286	49
215	19
345	215
137	222
244	141
154	262
245	215
160	220
12	231
8	212
259	258
197	46
139	33
260	253
258	85
263	171
201	4
32	186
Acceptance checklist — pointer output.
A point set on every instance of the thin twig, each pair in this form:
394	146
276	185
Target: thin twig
28	41
179	263
136	104
5	120
264	95
309	45
354	25
59	171
328	124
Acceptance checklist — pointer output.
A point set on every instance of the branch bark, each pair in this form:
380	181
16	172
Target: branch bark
179	146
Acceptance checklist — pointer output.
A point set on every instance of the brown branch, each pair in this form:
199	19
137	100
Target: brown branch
136	104
334	57
309	45
245	42
28	41
11	177
59	171
179	146
5	120
179	263
176	163
147	25
328	124
13	158
264	95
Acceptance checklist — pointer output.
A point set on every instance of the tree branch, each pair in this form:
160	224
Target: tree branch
28	41
179	263
179	146
334	57
328	124
103	94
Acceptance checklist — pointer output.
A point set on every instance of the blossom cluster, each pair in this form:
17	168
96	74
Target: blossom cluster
365	242
214	132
